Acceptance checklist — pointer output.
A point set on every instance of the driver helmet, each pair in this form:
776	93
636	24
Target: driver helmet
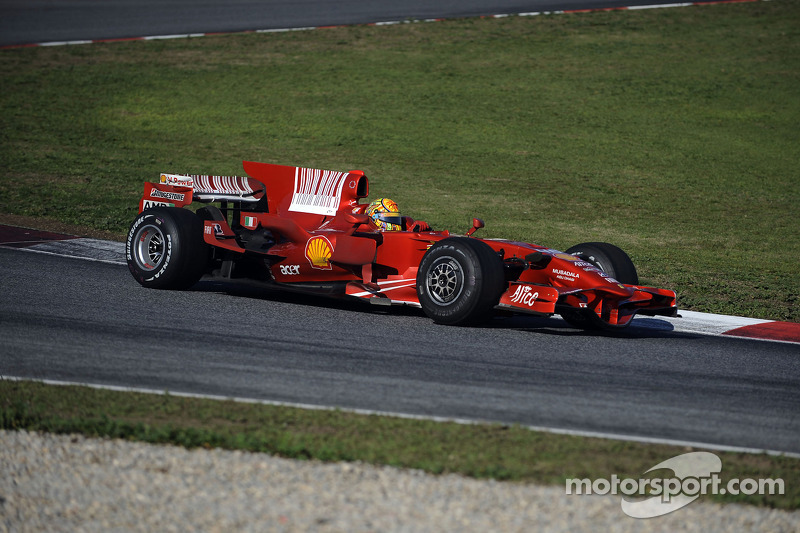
385	214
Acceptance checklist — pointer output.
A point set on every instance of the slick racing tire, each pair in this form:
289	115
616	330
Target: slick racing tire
611	260
459	281
608	258
165	248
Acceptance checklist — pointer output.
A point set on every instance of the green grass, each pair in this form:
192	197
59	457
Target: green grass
672	133
509	453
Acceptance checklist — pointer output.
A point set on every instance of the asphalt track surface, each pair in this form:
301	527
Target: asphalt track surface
35	21
84	321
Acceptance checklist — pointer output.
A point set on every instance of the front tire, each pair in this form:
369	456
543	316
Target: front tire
608	258
459	281
613	261
165	248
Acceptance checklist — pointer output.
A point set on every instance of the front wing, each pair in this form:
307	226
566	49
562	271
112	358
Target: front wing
614	305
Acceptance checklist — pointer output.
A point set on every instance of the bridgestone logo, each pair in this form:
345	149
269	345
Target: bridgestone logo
178	197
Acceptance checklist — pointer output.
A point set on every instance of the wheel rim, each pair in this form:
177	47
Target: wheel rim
149	247
445	280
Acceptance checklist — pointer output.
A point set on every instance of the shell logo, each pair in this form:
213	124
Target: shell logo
565	257
318	252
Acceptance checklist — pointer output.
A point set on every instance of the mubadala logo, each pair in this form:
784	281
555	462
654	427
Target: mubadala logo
695	474
566	274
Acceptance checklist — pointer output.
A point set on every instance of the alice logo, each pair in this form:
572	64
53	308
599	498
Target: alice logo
318	252
524	295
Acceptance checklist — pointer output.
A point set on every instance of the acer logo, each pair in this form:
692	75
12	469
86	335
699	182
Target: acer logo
290	270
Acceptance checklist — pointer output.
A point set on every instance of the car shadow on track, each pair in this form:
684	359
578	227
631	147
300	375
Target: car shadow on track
259	291
641	328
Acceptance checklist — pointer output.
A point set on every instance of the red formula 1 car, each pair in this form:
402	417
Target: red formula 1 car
307	230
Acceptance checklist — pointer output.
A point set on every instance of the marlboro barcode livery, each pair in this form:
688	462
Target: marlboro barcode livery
317	191
313	231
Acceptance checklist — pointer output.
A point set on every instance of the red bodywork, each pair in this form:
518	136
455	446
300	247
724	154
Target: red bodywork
322	240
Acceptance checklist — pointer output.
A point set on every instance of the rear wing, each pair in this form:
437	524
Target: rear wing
178	190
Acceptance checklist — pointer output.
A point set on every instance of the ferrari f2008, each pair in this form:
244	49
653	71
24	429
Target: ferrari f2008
310	230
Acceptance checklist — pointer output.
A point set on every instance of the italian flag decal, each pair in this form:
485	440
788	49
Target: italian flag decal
249	222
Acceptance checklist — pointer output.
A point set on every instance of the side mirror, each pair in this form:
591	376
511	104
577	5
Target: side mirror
476	225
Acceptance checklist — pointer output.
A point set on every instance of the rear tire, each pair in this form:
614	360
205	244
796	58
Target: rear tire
613	261
165	248
459	281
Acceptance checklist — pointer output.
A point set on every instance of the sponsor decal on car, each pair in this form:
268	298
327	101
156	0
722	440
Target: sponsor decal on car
524	295
290	270
177	196
565	257
318	251
317	191
177	180
561	255
216	230
147	204
530	297
566	275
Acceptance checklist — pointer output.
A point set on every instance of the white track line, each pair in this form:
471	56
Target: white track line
383	23
702	323
96	250
464	421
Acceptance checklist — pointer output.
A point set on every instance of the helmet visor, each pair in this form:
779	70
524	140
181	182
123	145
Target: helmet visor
390	220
